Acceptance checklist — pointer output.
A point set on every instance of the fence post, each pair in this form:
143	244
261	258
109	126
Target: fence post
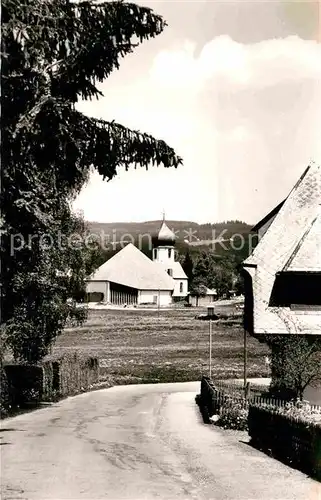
247	390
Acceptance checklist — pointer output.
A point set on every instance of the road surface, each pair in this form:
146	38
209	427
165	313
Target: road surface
140	443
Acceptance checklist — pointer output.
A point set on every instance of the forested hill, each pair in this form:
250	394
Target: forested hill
188	231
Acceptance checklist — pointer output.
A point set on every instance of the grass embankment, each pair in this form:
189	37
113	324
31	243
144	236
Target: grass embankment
136	346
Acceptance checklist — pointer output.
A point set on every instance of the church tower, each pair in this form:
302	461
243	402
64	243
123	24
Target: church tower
164	256
163	248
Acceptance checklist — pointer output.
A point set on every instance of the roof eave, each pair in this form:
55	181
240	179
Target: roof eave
267	217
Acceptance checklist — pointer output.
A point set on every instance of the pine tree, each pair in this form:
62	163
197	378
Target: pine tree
188	266
55	52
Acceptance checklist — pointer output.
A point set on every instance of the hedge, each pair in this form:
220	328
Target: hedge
4	393
25	384
292	440
56	377
69	374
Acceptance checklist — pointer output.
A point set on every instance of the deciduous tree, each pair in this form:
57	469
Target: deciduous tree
296	363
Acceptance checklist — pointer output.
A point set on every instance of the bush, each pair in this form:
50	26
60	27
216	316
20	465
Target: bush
233	414
60	376
297	409
231	411
69	374
4	393
25	384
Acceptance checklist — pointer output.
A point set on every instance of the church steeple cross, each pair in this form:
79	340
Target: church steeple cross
163	215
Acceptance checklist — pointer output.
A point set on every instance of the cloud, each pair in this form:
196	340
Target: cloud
257	65
244	117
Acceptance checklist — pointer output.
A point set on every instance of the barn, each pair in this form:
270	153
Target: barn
131	278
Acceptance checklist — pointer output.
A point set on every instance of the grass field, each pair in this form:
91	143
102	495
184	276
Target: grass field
136	346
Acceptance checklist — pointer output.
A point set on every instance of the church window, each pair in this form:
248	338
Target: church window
181	287
169	253
170	272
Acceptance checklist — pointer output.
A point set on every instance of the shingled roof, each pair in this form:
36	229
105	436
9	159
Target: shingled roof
132	268
291	245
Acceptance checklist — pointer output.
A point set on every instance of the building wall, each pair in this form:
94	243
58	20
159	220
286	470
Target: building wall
177	292
313	394
161	254
202	301
99	287
123	295
163	297
157	297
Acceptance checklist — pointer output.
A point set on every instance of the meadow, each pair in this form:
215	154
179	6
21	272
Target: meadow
144	346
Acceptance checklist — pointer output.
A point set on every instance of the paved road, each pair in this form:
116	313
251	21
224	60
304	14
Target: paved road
137	442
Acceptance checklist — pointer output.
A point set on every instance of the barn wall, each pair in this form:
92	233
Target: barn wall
98	287
152	296
202	301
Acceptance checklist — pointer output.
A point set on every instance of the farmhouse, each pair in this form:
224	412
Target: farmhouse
283	274
203	300
130	277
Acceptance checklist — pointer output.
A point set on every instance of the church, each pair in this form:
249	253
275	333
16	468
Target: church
131	278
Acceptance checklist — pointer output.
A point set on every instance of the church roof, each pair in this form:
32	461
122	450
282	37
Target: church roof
178	271
130	267
292	246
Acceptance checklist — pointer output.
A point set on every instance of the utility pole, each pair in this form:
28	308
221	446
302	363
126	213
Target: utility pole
210	370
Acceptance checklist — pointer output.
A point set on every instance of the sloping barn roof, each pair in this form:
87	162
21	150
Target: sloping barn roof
132	268
292	244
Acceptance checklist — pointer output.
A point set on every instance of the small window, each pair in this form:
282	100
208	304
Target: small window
169	253
170	272
155	253
181	287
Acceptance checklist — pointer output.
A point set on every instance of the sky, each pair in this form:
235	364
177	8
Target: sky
235	88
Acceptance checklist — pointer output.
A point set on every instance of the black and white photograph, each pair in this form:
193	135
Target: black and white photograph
160	333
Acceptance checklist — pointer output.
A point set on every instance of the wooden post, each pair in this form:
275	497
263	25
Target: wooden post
210	367
245	360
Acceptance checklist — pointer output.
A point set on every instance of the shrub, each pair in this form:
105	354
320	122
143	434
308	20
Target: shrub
297	409
231	411
233	414
296	363
69	374
4	393
25	384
